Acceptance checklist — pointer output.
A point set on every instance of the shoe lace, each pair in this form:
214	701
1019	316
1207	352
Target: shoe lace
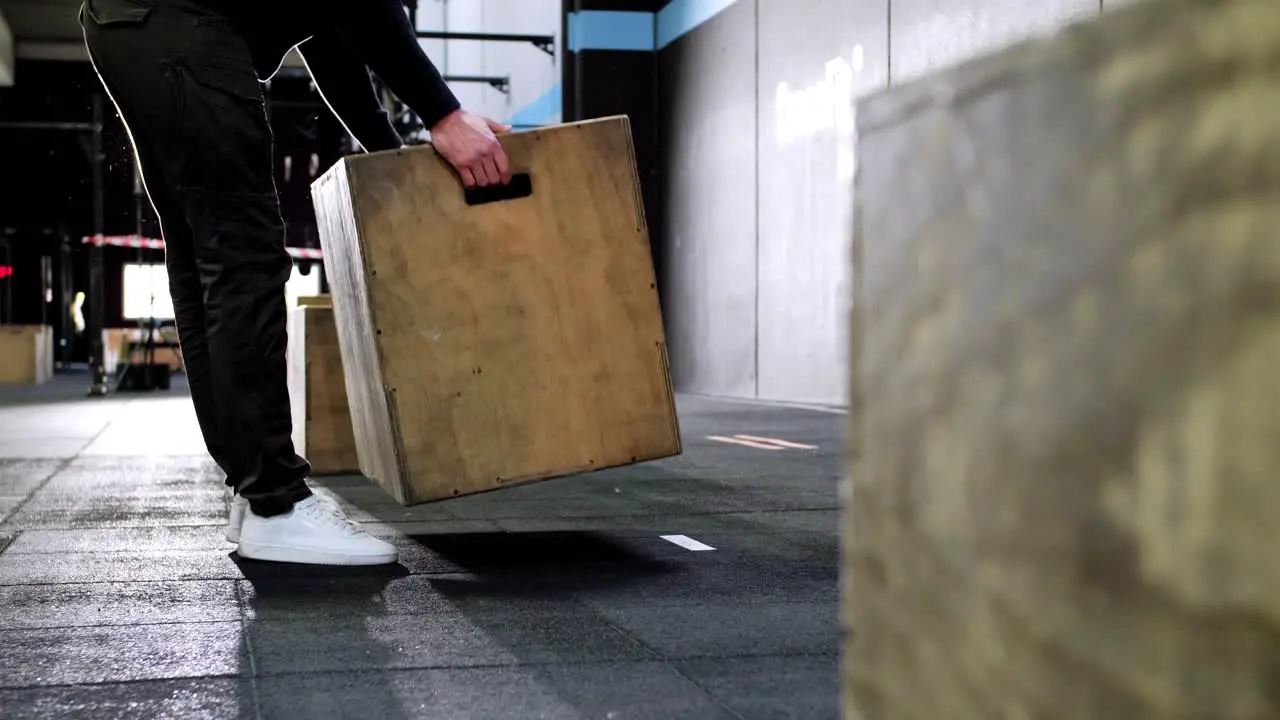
327	512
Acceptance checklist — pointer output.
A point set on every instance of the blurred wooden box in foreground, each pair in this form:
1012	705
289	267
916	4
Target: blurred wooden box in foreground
1063	502
493	341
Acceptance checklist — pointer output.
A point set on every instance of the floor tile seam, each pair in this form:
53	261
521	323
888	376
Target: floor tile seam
447	574
653	515
376	521
255	696
676	605
440	574
507	665
568	611
240	677
724	531
629	534
674	664
71	529
658	659
711	513
285	674
111	683
247	620
238	593
772	655
444	574
113	626
727	603
705	691
237	578
90	494
616	627
13	512
107	553
7	584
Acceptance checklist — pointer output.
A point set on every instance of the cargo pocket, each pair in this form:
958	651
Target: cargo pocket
226	136
114	12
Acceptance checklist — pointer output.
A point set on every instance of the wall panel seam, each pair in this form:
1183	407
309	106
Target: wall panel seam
756	186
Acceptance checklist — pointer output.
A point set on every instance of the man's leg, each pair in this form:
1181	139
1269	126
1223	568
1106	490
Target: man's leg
188	307
231	207
183	79
150	128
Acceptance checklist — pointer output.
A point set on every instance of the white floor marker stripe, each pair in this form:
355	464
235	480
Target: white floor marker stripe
748	443
686	542
776	441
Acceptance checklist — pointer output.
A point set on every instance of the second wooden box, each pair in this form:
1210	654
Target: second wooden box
317	390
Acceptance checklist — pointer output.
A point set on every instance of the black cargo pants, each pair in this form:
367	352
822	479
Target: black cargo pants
183	80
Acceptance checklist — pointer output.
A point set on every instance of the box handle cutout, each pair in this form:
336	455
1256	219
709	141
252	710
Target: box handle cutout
521	186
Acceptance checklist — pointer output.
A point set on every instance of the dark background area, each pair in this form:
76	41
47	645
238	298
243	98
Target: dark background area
46	203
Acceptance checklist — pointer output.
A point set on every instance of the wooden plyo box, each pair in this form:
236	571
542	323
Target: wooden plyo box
317	390
26	354
486	345
1064	497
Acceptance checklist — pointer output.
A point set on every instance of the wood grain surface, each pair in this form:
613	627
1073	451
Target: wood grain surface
1063	498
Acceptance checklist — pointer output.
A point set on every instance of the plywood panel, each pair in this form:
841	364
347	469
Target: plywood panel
1064	493
488	345
322	430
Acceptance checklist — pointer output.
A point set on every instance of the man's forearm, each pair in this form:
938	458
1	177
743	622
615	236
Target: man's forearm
345	85
380	33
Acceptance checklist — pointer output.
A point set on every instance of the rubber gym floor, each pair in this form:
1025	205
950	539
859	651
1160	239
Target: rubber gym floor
702	587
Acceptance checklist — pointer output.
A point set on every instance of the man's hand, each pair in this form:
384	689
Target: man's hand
468	143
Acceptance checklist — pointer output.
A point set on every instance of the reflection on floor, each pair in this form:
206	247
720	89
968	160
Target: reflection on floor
700	587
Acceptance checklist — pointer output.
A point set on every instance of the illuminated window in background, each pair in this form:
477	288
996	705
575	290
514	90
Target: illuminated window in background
141	281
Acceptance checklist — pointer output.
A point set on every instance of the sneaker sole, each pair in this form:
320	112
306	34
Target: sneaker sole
302	556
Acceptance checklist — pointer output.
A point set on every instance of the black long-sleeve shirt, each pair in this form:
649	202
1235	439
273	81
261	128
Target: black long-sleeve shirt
341	41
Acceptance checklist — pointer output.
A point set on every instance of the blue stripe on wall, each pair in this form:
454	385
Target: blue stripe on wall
617	30
681	16
610	30
540	111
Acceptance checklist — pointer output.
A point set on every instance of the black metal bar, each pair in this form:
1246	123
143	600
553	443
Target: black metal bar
98	385
501	84
545	43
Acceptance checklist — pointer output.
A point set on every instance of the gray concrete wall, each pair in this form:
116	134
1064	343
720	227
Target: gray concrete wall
758	138
709	174
809	73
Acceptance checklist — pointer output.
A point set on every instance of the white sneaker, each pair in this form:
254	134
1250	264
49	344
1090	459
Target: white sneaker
314	532
235	518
